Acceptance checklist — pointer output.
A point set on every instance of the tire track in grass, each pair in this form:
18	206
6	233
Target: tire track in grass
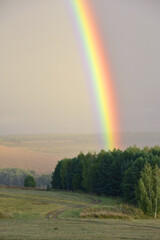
55	213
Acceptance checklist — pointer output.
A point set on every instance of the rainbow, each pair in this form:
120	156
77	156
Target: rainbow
98	70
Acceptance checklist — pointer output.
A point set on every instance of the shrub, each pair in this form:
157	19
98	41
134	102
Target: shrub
29	181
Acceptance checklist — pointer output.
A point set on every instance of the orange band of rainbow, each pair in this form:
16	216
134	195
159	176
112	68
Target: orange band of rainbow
99	70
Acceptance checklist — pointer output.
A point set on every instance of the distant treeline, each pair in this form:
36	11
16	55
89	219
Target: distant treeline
16	176
112	173
48	137
21	138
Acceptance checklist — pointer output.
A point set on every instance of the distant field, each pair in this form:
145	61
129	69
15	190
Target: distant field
39	215
41	152
16	157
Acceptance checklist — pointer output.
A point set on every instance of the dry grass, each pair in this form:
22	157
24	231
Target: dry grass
104	215
5	215
122	211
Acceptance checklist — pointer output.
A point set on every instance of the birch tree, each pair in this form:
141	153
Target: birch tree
148	190
156	190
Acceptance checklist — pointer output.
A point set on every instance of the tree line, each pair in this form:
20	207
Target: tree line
132	174
16	177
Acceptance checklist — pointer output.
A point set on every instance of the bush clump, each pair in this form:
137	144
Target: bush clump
29	181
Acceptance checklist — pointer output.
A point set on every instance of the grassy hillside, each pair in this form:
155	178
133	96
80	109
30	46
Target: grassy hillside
28	214
18	203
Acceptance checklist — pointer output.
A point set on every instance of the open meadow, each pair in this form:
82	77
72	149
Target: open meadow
32	214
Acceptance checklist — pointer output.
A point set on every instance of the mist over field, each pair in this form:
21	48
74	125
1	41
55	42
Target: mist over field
43	86
42	152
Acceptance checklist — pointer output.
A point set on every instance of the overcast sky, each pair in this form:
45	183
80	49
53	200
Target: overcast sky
42	82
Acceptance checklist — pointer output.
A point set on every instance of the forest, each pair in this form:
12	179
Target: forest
132	174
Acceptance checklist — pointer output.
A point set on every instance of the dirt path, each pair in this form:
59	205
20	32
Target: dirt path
55	213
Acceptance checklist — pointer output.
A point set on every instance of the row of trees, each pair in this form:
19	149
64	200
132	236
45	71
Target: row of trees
113	173
16	177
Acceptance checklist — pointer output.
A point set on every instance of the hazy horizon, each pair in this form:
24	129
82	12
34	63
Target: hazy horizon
43	84
83	142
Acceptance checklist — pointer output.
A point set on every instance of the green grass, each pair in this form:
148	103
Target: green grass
42	215
29	204
67	229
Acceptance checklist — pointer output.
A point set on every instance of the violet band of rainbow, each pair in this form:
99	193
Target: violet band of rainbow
98	67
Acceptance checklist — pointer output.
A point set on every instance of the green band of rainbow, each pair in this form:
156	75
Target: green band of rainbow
99	70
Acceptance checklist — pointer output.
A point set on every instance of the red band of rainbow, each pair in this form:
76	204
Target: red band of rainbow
101	80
